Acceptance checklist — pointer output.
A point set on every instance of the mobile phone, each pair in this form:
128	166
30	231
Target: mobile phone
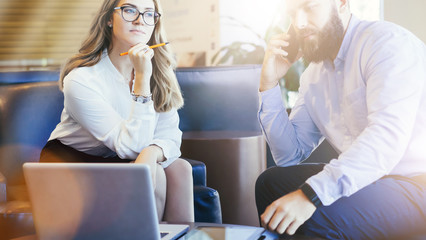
293	48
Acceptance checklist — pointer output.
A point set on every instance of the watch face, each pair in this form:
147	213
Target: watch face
142	99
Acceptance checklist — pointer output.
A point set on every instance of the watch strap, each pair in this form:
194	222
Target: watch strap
310	194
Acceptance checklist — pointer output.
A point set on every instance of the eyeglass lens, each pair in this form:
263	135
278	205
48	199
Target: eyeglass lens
131	14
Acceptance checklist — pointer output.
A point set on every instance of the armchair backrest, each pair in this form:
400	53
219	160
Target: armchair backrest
219	98
28	114
216	98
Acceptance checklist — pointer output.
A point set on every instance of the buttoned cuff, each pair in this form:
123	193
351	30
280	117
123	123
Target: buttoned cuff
170	154
139	110
325	187
271	100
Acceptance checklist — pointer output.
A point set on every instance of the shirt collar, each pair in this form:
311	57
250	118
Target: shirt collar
347	39
109	67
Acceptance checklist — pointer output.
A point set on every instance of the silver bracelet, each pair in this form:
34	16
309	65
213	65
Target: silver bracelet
141	98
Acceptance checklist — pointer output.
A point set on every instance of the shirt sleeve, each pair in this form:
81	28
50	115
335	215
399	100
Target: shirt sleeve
168	136
394	69
126	137
293	139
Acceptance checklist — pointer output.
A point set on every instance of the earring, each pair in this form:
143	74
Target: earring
110	25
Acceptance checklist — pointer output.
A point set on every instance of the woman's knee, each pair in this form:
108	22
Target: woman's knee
179	168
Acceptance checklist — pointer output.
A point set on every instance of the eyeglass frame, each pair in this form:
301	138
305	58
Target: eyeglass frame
140	13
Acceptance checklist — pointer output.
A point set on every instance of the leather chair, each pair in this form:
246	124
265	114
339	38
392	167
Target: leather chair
220	126
28	114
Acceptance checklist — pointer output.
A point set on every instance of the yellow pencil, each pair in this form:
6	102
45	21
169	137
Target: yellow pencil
153	46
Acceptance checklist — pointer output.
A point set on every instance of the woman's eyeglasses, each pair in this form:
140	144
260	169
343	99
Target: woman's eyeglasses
130	14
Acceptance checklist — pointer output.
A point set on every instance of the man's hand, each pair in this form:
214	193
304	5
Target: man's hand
275	63
288	213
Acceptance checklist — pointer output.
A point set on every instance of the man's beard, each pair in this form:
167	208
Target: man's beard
329	38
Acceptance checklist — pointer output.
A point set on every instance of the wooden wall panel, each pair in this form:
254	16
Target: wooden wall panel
43	32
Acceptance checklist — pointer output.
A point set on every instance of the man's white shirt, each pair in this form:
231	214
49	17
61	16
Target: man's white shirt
370	104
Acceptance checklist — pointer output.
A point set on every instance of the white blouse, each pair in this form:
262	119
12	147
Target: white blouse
100	117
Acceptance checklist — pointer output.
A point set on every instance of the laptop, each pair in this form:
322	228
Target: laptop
95	201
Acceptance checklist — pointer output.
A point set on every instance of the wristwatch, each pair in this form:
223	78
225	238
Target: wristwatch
310	193
141	99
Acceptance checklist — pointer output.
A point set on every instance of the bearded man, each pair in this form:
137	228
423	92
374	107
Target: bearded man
364	91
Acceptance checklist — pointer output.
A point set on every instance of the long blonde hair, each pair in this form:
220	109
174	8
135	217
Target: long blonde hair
164	85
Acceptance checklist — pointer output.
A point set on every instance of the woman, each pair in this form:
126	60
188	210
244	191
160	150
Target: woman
124	108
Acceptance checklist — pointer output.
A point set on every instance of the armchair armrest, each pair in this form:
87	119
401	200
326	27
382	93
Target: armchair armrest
198	172
206	200
3	196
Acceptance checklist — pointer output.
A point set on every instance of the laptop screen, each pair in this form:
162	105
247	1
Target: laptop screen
92	200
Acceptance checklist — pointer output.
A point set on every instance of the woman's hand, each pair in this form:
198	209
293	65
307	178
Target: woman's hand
151	155
275	62
140	56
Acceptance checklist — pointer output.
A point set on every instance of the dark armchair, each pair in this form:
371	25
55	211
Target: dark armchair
30	108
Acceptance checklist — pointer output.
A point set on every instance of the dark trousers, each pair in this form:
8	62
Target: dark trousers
55	151
393	207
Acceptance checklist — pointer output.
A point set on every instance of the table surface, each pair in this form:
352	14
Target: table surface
268	235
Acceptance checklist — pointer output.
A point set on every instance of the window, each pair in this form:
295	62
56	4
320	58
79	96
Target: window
39	34
35	34
368	9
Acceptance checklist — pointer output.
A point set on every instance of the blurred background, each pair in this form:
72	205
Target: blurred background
41	34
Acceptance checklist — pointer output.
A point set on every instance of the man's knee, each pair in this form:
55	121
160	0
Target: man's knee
274	179
266	188
276	182
265	179
262	191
